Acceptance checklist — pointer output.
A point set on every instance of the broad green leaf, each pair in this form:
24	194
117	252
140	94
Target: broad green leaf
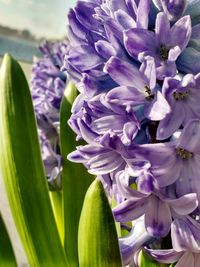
97	237
23	172
7	257
75	180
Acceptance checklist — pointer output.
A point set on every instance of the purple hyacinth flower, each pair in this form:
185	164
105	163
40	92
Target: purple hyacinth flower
164	45
183	97
157	209
137	87
131	244
48	81
175	162
185	242
53	164
101	118
173	8
96	28
47	87
102	155
135	64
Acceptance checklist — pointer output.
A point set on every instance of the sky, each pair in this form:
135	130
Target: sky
44	18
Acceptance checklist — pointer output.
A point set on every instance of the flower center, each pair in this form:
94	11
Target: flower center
180	96
163	52
149	96
183	153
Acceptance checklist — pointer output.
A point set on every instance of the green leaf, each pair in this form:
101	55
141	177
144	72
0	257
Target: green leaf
97	237
7	257
23	171
56	202
75	179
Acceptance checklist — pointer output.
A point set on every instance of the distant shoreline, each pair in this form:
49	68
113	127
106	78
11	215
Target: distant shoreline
20	34
20	49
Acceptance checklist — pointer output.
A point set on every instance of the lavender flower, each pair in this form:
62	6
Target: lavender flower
47	86
183	98
186	244
165	45
174	9
136	66
157	208
96	28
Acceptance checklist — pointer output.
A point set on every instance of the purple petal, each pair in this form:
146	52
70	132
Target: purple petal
122	180
143	14
171	122
87	134
105	163
129	210
190	137
139	40
158	108
126	96
124	19
181	32
162	29
174	53
167	69
168	172
149	69
115	5
76	28
145	183
182	237
115	122
188	259
184	205
157	217
156	154
173	8
113	142
84	13
76	156
105	49
186	182
125	73
78	56
131	243
165	255
130	131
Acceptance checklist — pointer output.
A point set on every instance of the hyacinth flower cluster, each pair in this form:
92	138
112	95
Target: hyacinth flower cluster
136	65
47	87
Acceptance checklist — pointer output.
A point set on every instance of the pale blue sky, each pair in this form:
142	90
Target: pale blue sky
42	17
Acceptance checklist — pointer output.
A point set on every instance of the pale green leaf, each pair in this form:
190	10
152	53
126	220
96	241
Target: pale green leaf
97	238
23	172
75	179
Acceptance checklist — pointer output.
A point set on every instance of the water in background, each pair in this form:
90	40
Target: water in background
20	49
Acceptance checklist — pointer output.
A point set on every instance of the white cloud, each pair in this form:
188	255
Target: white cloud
7	2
